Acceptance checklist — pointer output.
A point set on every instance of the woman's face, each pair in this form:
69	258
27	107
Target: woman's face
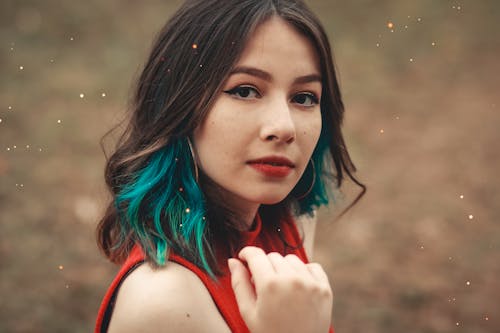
258	138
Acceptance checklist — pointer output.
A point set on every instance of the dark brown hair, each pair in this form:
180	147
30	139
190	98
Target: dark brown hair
189	63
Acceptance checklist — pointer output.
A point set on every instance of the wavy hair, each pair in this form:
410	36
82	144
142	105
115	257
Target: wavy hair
157	201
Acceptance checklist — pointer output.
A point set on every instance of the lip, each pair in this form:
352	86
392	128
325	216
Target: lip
272	166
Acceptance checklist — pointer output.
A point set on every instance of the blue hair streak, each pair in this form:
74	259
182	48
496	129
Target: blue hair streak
319	195
163	205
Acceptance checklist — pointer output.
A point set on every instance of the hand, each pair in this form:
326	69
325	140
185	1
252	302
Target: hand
280	294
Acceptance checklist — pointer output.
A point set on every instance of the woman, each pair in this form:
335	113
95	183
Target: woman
234	132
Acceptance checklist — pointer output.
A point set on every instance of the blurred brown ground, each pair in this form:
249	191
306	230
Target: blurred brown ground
422	125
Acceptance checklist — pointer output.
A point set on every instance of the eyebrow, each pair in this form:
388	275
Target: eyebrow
268	77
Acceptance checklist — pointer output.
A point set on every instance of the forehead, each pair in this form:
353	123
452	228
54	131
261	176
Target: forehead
275	43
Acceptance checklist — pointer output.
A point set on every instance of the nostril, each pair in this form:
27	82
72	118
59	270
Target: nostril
272	138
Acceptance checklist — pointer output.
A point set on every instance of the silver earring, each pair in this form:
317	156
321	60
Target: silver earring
312	183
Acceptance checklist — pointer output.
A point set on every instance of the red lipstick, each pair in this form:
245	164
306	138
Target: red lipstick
272	166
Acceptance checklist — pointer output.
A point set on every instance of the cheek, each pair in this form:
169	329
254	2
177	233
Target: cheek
205	140
215	134
311	130
214	143
217	126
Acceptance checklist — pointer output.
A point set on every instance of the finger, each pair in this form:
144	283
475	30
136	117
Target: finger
279	263
296	263
317	272
241	284
258	263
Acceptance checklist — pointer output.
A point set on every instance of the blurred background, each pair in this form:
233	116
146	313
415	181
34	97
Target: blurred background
419	253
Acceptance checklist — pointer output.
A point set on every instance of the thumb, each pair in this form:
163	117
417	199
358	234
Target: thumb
242	286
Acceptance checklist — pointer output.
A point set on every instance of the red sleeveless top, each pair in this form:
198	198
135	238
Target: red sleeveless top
284	239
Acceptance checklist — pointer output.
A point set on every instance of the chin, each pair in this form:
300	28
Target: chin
270	199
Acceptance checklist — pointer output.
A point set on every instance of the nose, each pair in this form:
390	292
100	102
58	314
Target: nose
278	124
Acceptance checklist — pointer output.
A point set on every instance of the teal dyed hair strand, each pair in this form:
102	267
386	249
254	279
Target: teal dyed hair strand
164	205
319	194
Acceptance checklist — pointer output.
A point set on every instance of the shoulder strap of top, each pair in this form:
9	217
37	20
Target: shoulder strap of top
219	289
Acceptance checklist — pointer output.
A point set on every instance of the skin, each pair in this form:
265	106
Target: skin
272	281
266	116
274	117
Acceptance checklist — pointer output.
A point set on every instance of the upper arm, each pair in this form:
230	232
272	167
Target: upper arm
307	224
170	299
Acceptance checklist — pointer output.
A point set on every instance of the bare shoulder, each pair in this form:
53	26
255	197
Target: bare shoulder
171	299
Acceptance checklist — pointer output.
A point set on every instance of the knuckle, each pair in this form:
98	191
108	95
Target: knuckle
299	283
315	288
294	259
315	265
271	284
291	256
326	293
274	255
250	251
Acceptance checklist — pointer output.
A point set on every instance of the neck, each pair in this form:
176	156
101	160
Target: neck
248	216
245	210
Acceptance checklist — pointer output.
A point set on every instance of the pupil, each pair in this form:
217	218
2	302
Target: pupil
244	92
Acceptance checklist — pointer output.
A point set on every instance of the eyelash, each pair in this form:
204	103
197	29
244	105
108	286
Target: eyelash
234	91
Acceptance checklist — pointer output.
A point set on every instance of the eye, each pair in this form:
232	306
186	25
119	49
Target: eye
243	92
306	99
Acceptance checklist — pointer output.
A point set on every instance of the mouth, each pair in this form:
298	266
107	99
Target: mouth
273	166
